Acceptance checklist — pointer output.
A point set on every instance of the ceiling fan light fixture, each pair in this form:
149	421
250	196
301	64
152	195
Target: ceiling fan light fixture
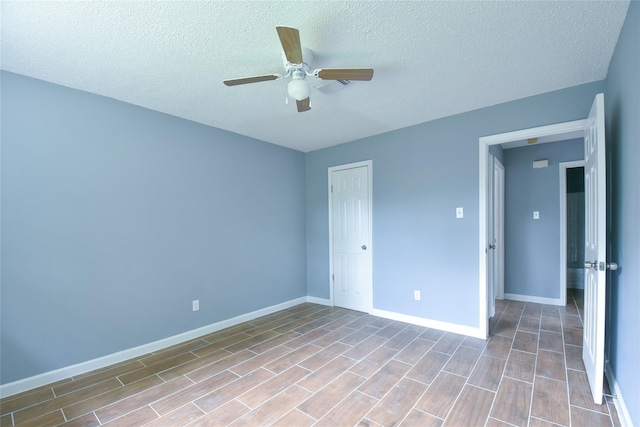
298	89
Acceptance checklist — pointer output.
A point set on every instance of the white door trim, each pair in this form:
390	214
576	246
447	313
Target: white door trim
563	226
569	128
369	164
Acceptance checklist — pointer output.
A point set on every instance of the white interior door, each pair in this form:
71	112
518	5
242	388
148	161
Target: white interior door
498	229
351	240
495	233
595	252
491	295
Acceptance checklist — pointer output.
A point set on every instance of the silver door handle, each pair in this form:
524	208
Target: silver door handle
588	264
612	266
364	247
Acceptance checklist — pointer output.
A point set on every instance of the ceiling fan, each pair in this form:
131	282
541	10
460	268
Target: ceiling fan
296	63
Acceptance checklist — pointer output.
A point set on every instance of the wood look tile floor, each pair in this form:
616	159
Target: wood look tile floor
315	365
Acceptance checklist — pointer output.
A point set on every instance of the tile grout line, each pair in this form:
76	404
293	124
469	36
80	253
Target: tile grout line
235	399
535	371
442	370
502	375
466	383
391	359
339	402
414	405
564	359
116	401
95	415
310	373
397	382
505	367
609	412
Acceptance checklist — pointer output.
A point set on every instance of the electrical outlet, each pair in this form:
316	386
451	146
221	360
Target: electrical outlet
416	295
459	213
196	304
536	214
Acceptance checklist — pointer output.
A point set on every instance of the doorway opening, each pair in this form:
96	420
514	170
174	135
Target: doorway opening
551	133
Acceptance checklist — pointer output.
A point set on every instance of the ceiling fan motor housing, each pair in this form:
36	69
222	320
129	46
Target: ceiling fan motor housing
307	59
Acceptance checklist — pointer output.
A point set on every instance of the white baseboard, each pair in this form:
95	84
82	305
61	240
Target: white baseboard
530	298
623	412
414	320
25	384
429	323
321	301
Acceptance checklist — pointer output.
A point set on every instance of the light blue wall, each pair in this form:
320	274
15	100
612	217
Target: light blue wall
532	247
498	152
114	218
420	175
622	111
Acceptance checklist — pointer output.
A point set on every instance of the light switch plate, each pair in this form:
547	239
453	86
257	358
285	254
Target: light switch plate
459	213
536	215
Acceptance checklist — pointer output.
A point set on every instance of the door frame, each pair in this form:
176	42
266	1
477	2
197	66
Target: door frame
330	170
563	225
561	131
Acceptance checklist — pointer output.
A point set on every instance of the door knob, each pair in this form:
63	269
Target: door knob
612	266
364	247
588	264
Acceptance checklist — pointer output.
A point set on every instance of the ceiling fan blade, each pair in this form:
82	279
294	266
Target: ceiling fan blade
255	79
344	74
303	105
290	39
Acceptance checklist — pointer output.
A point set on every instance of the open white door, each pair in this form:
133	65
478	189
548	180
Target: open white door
491	258
596	245
495	233
498	229
351	237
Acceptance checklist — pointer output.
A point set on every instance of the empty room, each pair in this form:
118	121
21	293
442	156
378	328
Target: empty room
344	213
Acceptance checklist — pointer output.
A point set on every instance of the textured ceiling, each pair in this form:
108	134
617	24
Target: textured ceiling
431	59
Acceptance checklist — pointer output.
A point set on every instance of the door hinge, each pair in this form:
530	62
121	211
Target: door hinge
332	188
333	278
